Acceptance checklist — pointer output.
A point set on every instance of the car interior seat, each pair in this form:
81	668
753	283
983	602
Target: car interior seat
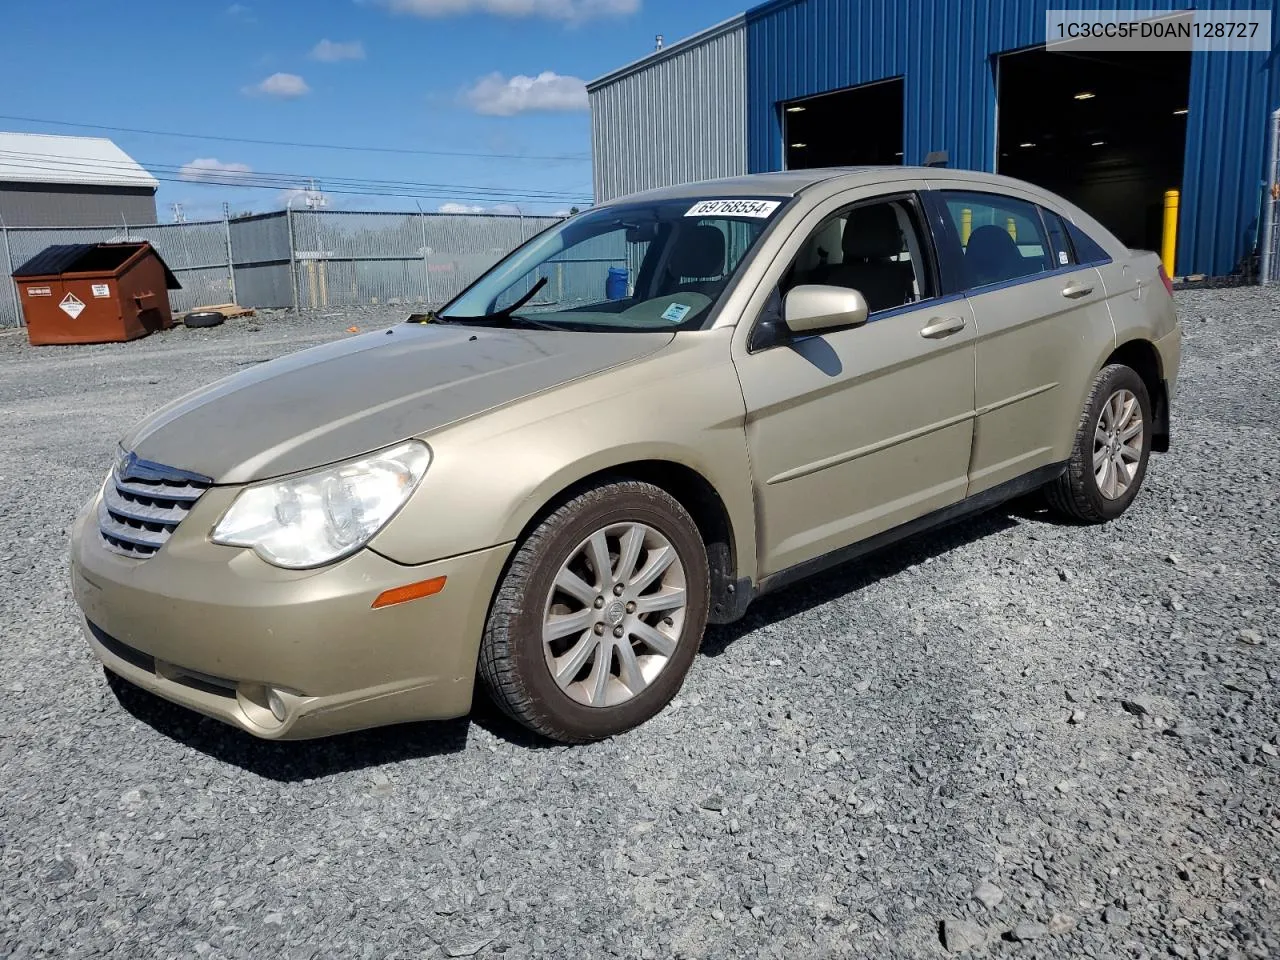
696	262
991	256
872	240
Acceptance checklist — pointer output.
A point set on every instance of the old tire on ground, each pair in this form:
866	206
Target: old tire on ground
203	318
599	615
1111	449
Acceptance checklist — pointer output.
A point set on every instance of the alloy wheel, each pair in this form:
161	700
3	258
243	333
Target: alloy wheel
1118	439
614	614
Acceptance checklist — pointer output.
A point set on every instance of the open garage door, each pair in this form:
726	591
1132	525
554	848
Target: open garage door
1107	131
853	127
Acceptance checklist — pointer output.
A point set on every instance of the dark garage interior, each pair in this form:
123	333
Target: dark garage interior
1107	131
852	127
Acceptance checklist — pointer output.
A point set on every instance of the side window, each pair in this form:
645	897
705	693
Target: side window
1087	249
1002	238
875	248
1059	246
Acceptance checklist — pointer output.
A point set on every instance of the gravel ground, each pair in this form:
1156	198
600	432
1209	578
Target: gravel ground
1012	737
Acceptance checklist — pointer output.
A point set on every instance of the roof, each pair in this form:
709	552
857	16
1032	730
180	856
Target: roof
789	183
90	161
104	258
781	183
680	46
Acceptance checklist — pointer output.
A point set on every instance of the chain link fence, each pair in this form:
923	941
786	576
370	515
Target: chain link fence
306	259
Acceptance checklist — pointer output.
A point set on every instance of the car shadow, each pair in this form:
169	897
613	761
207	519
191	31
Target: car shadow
1034	507
858	574
290	761
296	760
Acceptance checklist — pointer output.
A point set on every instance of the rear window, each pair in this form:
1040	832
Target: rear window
1087	249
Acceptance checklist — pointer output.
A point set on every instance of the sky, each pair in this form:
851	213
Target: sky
473	104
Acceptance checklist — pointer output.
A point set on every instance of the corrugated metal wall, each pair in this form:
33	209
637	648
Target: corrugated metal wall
675	117
57	205
944	49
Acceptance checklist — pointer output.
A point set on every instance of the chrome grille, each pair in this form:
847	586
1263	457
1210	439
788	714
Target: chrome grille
143	503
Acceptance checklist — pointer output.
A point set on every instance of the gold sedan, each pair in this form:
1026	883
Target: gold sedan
631	426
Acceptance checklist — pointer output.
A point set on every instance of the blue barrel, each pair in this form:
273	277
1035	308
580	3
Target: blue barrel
615	286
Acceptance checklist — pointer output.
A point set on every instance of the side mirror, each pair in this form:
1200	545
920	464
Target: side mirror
814	307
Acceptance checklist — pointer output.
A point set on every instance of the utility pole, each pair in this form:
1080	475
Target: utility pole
231	260
178	215
314	197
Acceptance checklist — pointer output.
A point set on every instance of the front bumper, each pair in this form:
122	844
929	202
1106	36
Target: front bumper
214	628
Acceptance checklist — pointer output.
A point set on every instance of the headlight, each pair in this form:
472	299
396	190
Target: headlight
324	516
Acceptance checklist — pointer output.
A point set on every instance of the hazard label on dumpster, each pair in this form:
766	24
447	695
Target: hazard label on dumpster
71	305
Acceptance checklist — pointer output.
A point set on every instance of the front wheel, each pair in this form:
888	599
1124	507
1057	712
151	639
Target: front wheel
1112	445
599	615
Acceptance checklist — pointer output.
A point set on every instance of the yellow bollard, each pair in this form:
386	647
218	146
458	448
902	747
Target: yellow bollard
966	226
1012	228
1169	246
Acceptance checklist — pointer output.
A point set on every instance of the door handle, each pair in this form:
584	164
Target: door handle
940	327
1075	290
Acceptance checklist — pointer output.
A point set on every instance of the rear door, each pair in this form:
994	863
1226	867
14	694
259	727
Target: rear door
1041	318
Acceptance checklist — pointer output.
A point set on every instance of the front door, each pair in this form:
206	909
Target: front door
854	431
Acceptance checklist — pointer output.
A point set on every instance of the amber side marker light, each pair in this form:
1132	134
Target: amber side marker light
410	591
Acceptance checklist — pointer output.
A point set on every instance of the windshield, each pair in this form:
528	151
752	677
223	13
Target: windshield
648	266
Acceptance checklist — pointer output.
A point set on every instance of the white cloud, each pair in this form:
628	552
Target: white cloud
458	208
497	96
213	170
286	86
240	12
331	51
570	10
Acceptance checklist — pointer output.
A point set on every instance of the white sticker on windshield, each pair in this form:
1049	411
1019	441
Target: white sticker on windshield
1062	257
733	208
676	312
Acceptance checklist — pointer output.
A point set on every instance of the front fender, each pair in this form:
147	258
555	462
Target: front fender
492	475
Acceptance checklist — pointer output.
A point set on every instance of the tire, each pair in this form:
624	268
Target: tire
204	318
516	660
1078	494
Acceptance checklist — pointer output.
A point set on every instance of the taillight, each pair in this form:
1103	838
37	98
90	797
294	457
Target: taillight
1164	278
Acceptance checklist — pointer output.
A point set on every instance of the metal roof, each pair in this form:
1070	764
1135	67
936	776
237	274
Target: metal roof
656	56
88	161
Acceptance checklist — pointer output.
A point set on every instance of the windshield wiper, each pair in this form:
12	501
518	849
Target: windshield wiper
509	313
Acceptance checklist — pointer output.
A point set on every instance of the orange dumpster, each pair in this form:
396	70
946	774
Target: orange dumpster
95	293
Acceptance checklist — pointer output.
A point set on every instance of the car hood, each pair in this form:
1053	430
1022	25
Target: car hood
346	398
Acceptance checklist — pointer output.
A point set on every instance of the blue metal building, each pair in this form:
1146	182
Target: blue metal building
945	55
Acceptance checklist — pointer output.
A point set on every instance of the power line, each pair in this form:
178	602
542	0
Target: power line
569	158
55	163
172	173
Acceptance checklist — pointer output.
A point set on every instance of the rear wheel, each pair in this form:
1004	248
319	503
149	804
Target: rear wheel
1112	446
599	616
